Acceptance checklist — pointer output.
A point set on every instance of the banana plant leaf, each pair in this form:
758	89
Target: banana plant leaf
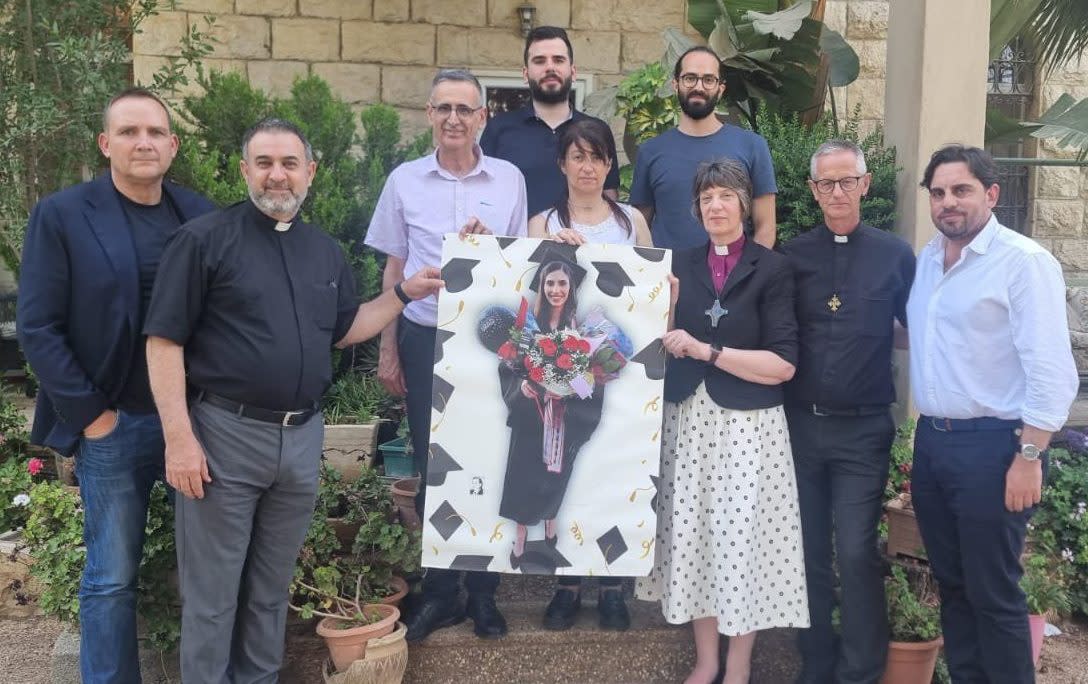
1067	122
1001	128
843	63
1007	19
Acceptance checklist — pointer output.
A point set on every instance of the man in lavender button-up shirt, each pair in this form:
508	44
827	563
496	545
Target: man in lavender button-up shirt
455	190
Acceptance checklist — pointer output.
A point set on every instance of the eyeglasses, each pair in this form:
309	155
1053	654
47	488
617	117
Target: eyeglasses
826	186
463	111
691	80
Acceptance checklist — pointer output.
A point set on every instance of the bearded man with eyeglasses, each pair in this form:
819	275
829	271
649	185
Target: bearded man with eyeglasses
852	283
665	166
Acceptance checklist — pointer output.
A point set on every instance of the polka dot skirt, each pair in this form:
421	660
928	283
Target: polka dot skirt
728	526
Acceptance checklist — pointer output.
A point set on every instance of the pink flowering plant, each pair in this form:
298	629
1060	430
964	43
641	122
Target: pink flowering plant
1059	528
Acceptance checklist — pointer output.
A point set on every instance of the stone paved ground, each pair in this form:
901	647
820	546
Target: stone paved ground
26	644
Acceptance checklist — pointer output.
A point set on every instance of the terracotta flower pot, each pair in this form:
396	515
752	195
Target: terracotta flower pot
404	496
911	662
400	591
345	532
346	645
1037	623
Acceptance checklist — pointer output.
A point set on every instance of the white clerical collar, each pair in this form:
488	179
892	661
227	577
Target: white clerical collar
842	239
721	250
282	227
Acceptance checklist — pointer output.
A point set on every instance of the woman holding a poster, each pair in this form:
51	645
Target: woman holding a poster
729	557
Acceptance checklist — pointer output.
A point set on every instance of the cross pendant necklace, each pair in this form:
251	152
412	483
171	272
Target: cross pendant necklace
715	313
834	303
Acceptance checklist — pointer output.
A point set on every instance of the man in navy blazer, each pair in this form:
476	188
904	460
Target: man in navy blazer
89	263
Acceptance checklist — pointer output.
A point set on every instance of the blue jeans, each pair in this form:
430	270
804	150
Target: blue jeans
116	473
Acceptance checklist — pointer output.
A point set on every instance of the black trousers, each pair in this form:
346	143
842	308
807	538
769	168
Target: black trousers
415	344
842	467
974	545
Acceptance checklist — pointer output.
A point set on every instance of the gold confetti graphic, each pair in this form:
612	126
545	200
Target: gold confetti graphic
460	309
463	519
496	535
517	285
435	549
576	530
503	256
647	546
656	291
445	403
641	523
634	494
651	405
654	437
471	239
494	281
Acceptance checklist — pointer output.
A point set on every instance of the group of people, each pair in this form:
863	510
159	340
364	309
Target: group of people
777	426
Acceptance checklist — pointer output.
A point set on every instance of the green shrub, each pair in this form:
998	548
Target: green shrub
912	616
54	537
355	397
640	102
1043	583
1059	527
792	145
347	184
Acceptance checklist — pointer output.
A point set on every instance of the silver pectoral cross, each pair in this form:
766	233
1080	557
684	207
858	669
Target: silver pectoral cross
716	312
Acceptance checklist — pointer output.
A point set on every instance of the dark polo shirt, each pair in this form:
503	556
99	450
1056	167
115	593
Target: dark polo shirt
527	142
257	309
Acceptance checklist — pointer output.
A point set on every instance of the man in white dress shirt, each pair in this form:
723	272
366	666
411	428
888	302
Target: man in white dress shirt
456	189
993	377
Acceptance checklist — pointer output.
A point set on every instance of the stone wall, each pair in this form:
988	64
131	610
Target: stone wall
387	50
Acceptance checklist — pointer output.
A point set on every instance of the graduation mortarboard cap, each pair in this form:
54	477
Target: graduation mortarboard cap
612	545
446	520
611	278
441	391
652	357
439	464
471	563
457	273
551	251
440	339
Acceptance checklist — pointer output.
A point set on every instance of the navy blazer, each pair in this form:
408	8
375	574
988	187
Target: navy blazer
758	295
79	301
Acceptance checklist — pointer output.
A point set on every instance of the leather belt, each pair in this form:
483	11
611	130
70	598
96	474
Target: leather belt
817	410
970	424
284	418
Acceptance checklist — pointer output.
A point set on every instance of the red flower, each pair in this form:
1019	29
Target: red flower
34	466
906	487
564	361
548	347
507	351
583	346
528	363
572	344
536	374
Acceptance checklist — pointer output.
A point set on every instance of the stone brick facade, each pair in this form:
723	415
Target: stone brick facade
387	50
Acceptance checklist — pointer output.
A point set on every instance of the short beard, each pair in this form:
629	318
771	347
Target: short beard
551	96
698	112
275	207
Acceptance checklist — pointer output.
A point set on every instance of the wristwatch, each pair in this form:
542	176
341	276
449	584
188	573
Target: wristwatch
1030	452
714	352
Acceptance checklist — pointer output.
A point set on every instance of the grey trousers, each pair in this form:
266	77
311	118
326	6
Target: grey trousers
238	545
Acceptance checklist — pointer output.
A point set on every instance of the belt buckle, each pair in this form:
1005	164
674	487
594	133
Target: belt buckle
941	424
817	412
287	415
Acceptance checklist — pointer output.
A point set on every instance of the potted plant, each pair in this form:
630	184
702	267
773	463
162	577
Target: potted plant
404	493
915	624
351	422
397	455
1045	588
354	532
348	622
904	538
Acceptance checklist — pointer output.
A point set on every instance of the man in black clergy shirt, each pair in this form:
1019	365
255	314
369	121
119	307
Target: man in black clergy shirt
249	300
528	137
852	285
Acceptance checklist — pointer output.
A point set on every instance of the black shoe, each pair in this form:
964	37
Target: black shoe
613	611
562	610
431	614
488	621
515	560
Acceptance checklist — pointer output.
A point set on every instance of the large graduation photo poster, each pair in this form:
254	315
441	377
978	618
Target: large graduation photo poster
547	406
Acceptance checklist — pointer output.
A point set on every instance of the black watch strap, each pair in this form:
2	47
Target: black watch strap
401	294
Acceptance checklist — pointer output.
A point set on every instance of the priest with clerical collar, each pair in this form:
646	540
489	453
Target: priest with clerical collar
852	286
246	307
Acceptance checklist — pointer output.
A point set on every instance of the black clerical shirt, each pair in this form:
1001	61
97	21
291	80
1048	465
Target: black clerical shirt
847	296
257	309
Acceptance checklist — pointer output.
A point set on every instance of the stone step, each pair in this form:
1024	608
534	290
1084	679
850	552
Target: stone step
651	651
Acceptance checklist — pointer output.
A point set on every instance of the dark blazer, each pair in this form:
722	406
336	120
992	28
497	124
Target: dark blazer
758	295
79	304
